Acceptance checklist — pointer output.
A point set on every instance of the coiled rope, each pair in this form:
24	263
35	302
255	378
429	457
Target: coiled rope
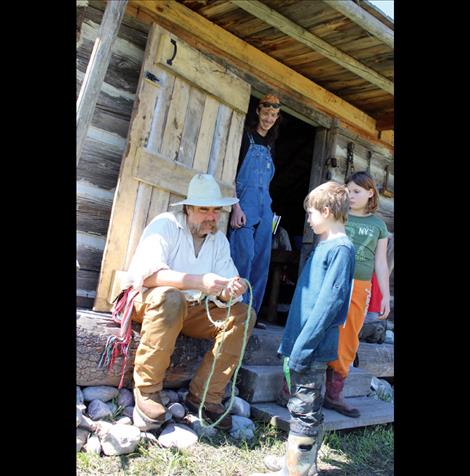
223	324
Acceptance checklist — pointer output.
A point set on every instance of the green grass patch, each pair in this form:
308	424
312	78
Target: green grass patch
362	452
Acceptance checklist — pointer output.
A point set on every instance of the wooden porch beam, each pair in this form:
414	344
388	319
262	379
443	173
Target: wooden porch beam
364	19
97	67
214	40
282	23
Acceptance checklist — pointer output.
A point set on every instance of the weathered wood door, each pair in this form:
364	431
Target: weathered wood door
188	117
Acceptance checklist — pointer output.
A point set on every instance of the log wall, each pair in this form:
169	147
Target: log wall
99	165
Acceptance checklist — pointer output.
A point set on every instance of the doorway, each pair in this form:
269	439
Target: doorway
293	154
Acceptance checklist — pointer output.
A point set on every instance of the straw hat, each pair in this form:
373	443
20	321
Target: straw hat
204	191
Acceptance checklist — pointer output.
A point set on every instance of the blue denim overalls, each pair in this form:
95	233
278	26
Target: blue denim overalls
250	245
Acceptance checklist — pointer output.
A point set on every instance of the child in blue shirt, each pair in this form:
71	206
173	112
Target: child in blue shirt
319	306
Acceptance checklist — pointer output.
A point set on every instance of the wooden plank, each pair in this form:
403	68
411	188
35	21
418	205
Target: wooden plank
192	126
175	121
209	118
96	69
203	72
158	204
165	84
364	19
302	35
139	219
115	250
233	147
195	29
373	412
168	175
219	141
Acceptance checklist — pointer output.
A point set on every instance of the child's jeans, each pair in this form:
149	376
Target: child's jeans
306	401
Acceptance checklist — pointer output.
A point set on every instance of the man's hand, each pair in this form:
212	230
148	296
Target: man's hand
212	284
238	217
235	288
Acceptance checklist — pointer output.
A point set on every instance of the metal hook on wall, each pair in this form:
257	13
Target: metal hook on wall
349	160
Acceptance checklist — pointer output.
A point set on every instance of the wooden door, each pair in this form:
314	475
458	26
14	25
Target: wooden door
188	117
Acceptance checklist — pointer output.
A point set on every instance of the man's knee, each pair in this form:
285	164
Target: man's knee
169	300
240	312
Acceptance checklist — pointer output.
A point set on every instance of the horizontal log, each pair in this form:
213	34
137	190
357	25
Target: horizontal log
94	328
100	164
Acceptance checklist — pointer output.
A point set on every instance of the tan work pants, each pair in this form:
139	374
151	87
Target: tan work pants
164	313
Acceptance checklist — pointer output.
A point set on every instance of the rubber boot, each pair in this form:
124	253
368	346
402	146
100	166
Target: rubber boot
300	459
334	395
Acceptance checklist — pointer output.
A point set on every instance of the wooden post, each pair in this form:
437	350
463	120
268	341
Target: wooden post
97	67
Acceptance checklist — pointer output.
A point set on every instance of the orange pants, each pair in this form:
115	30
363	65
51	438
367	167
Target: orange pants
348	341
164	313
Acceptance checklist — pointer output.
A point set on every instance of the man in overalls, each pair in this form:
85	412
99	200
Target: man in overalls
250	232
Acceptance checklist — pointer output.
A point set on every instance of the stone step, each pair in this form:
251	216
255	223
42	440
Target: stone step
373	412
376	359
262	383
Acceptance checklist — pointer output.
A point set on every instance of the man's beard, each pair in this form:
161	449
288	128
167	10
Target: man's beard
196	228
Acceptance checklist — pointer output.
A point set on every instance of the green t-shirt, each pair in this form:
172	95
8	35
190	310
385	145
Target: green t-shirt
365	232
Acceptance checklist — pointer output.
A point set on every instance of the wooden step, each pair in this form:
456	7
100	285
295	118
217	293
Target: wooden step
373	412
262	383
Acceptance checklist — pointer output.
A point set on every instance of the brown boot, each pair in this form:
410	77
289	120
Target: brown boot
334	395
211	412
149	406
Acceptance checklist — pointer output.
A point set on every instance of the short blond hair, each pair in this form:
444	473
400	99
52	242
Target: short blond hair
332	195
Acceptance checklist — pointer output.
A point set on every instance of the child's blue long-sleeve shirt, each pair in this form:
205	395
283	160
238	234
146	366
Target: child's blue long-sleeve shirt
320	305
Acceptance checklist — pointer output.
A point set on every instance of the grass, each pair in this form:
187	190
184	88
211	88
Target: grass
361	452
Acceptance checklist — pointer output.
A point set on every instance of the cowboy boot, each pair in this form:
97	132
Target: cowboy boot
300	459
334	395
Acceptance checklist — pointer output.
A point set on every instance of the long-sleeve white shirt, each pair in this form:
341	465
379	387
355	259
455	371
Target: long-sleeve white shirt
167	243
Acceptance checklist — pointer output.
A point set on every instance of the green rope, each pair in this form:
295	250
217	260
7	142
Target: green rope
234	378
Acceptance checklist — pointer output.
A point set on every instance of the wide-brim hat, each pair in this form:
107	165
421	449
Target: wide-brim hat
204	191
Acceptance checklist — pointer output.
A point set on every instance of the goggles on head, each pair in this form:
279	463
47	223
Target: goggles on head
274	105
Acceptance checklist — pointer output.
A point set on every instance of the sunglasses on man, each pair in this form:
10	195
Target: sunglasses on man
275	105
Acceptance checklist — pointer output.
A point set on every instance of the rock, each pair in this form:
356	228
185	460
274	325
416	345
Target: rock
80	399
81	407
112	406
200	430
240	407
182	394
97	410
389	337
118	439
100	392
87	423
128	411
228	391
126	398
177	410
172	395
79	417
382	389
124	421
146	435
176	435
82	436
242	428
93	445
165	398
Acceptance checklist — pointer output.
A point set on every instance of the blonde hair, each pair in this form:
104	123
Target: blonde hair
332	195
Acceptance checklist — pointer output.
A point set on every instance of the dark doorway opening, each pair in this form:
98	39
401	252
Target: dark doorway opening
293	154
